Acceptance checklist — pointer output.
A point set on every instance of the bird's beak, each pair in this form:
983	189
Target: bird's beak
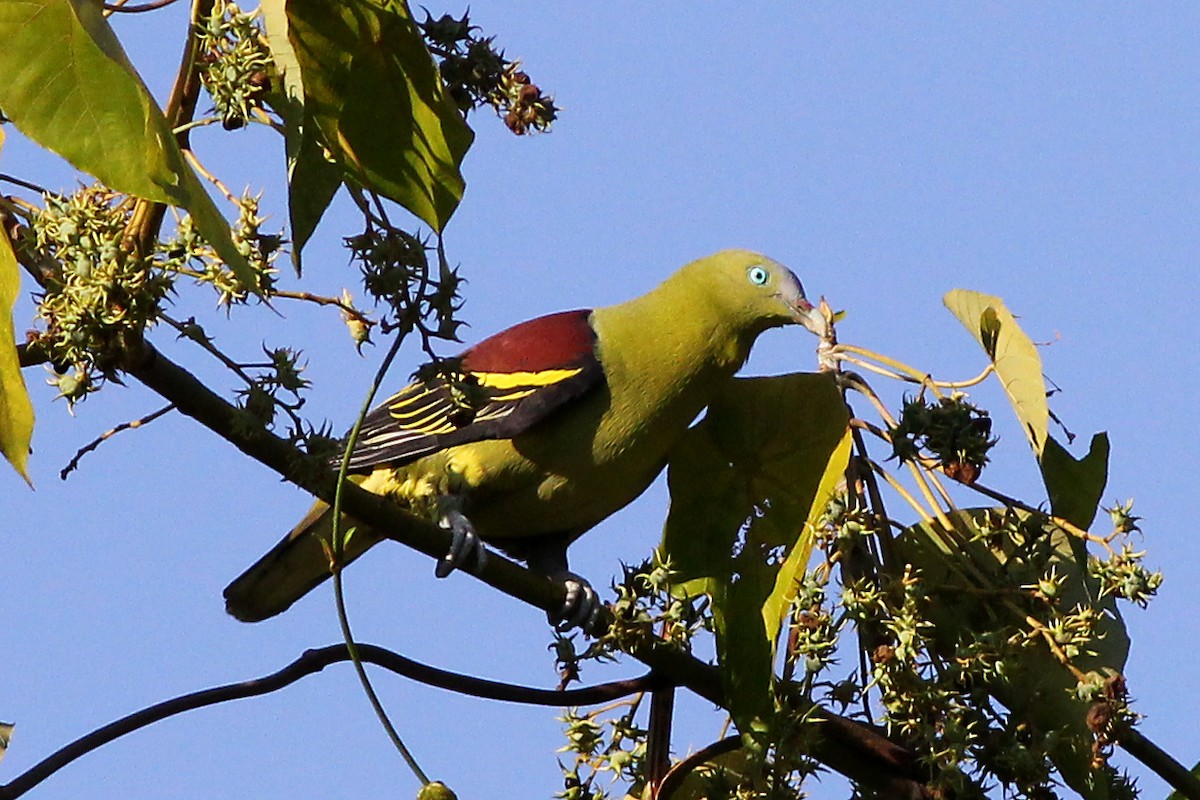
809	316
791	292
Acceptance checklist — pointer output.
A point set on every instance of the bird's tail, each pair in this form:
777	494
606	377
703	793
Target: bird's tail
292	568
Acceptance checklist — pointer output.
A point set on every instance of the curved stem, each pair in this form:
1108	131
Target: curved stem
1176	774
147	218
337	546
309	663
675	777
121	7
909	374
111	432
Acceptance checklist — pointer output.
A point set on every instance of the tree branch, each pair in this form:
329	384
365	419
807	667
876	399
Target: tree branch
108	434
313	661
1163	764
30	356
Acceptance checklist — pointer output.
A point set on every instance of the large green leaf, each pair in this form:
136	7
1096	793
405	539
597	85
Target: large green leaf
1075	486
974	585
69	86
313	179
16	412
1012	352
374	92
745	484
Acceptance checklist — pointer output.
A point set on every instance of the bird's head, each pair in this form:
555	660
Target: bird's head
757	291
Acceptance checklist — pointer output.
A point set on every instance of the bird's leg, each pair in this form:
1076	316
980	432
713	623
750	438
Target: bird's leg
582	605
466	548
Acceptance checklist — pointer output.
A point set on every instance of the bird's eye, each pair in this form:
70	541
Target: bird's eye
758	275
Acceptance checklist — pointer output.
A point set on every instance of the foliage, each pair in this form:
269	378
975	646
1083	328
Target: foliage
742	488
16	411
984	641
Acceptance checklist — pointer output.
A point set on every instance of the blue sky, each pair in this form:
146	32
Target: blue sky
887	153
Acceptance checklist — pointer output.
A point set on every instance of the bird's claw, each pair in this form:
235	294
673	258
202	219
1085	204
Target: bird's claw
580	608
466	548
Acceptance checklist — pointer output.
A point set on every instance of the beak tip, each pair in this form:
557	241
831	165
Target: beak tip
811	318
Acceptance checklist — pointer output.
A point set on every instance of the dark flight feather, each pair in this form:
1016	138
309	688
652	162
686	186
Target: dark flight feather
513	380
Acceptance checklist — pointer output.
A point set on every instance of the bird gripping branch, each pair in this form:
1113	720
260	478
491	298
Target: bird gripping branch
576	415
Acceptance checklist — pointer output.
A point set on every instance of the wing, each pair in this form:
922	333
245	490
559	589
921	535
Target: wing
521	375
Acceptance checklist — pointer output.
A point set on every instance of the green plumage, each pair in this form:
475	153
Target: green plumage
663	356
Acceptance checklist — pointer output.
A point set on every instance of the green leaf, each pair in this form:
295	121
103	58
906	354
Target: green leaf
1075	486
973	589
745	484
371	86
69	86
16	412
1014	355
313	180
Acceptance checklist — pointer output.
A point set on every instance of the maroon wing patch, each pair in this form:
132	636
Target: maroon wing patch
551	342
521	375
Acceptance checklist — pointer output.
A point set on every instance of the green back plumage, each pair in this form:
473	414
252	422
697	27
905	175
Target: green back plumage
663	355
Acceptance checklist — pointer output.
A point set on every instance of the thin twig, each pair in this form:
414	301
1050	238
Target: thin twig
313	661
1012	502
910	374
28	356
33	187
197	123
120	7
124	426
147	218
206	344
336	568
850	380
675	777
905	495
658	735
204	173
878	370
1163	764
923	485
323	300
932	475
1038	629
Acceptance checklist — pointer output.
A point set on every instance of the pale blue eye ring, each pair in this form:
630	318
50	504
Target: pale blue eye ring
758	275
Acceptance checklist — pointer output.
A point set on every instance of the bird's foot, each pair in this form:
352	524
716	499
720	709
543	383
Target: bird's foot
466	548
581	607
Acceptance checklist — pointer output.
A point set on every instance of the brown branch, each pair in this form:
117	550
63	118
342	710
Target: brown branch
24	184
346	308
147	217
28	356
124	426
674	779
1177	775
658	744
122	8
893	787
313	661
